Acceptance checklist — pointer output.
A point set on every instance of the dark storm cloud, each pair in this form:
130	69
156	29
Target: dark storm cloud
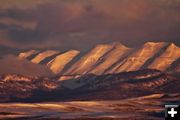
17	14
9	27
21	35
80	23
27	35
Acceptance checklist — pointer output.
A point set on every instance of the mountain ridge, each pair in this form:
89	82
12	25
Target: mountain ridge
110	58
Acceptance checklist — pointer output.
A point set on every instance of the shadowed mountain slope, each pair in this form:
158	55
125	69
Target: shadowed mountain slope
59	62
117	53
89	60
137	59
43	55
108	58
171	54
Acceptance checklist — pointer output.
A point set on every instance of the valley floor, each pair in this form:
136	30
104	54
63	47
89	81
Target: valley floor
142	108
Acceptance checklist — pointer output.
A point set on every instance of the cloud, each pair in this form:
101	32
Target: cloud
12	65
23	24
24	4
81	24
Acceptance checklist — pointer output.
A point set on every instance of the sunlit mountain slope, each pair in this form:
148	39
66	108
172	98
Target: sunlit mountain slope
26	54
89	60
164	61
43	55
118	52
59	62
138	58
108	58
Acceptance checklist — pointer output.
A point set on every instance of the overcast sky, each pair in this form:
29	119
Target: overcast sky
80	24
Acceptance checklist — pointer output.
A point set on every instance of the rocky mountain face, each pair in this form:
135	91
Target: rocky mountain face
87	87
107	58
58	63
14	86
170	55
108	71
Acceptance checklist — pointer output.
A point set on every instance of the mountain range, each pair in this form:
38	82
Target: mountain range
107	58
108	71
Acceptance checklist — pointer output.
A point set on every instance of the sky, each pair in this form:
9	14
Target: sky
81	24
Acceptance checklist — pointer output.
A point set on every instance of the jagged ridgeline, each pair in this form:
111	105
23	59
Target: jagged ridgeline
106	72
108	58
